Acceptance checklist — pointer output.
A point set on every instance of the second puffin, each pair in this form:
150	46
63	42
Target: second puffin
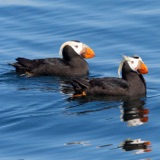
132	82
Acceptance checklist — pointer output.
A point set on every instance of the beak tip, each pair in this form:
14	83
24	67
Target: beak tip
89	54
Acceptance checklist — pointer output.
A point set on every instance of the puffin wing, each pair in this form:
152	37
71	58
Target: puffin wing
108	86
34	67
79	84
109	81
100	86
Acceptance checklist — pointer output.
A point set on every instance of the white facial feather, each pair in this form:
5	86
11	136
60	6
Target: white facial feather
132	62
77	46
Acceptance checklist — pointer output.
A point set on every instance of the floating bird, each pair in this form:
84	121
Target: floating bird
132	82
72	62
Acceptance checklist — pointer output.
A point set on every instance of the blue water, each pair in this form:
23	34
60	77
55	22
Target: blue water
38	120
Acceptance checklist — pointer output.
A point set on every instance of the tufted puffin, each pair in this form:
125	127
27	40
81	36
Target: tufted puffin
72	62
132	82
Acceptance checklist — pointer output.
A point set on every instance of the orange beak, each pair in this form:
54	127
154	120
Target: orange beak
143	68
87	53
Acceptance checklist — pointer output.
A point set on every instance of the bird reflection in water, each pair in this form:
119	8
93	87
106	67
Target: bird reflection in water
133	112
136	145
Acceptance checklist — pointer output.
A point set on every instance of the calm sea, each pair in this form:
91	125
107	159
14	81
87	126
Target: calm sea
38	120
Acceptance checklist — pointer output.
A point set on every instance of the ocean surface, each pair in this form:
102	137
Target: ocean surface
38	118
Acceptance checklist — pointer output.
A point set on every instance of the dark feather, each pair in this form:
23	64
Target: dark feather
71	64
131	84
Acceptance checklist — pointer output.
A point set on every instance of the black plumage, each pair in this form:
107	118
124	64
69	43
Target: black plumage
132	82
72	62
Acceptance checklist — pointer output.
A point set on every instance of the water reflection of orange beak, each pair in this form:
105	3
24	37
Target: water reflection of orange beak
144	119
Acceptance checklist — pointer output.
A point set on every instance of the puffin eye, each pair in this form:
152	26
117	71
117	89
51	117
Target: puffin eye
76	46
132	62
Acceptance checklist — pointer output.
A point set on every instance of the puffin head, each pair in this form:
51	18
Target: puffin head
135	63
78	47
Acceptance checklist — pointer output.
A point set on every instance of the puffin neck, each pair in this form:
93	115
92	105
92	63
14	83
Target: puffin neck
69	54
134	79
127	73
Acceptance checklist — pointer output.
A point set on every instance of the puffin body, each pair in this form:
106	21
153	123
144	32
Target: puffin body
132	82
72	62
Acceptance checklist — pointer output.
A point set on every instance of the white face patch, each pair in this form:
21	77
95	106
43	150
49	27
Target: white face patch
77	46
132	62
